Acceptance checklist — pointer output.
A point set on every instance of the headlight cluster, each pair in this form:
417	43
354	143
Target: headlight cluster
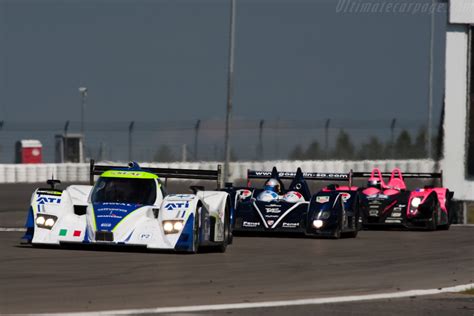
45	221
416	201
173	226
318	223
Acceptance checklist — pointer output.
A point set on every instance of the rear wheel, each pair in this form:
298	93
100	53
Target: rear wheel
227	232
355	226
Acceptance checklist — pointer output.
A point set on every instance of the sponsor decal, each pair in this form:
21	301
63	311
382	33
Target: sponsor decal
245	194
111	210
274	210
176	205
250	224
374	212
270	222
345	196
393	220
306	174
377	196
322	199
397	211
145	236
271	216
291	225
180	197
109	216
45	192
47	200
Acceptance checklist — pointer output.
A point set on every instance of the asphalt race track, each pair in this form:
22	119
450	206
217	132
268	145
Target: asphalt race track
37	280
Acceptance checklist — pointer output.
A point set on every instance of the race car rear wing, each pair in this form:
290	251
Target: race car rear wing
407	175
166	173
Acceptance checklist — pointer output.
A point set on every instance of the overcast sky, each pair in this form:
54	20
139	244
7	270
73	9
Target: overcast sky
159	60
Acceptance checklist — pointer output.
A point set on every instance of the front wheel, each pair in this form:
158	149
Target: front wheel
195	248
337	231
433	224
448	224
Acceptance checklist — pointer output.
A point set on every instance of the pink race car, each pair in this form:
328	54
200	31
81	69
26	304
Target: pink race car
392	204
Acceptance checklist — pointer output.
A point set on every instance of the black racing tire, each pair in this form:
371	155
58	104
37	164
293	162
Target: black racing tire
231	234
337	233
195	248
338	230
227	232
444	227
433	223
353	234
448	225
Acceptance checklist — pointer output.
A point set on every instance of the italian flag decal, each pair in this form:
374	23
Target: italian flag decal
76	233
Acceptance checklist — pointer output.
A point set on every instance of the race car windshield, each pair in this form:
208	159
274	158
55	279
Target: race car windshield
124	190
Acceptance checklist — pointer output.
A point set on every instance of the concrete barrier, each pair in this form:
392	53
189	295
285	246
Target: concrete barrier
79	172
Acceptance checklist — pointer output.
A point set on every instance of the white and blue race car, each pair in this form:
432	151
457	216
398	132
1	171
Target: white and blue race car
129	206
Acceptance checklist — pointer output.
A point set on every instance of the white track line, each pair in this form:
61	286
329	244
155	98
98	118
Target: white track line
12	229
310	301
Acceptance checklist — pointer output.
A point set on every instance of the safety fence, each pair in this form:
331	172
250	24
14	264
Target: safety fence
203	140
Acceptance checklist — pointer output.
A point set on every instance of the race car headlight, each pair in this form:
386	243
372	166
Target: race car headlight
40	220
415	202
46	221
173	226
318	223
49	222
324	215
178	226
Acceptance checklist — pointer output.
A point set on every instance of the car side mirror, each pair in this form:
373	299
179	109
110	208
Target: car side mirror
52	183
196	188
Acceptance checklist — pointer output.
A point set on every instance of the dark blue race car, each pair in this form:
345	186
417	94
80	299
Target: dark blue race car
332	212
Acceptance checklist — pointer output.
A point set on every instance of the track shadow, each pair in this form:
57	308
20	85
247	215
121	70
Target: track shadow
112	248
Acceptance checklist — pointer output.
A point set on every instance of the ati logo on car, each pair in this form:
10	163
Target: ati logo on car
176	205
48	200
